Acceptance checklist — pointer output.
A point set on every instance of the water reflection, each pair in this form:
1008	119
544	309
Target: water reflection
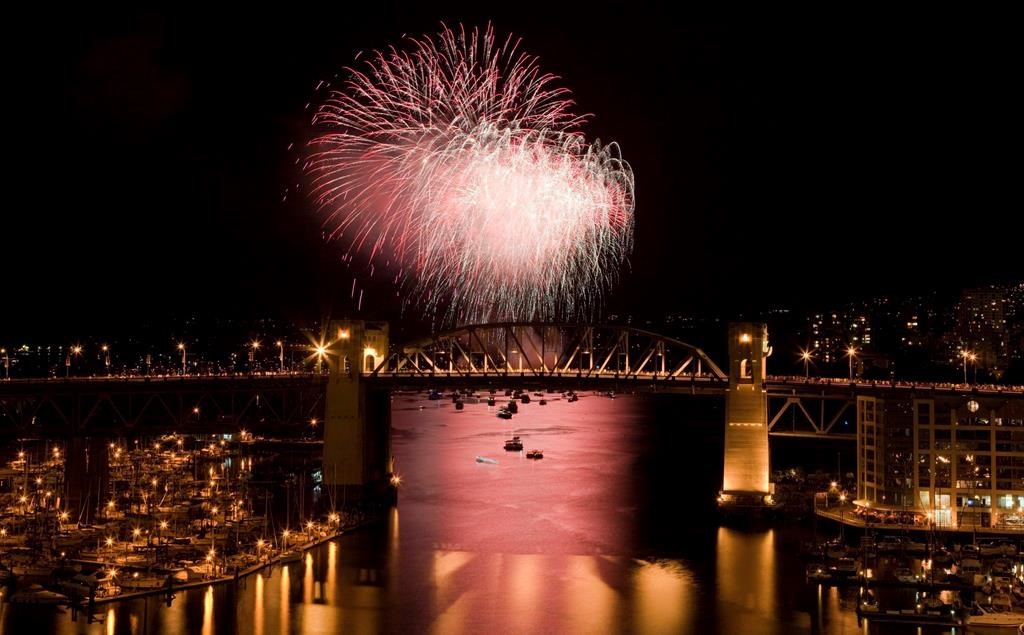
208	611
746	589
664	598
574	543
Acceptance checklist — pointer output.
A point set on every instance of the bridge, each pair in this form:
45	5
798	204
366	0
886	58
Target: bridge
353	398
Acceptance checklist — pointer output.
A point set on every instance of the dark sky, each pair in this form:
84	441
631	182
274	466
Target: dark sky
800	158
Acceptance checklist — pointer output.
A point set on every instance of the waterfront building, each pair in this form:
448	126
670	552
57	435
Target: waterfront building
956	461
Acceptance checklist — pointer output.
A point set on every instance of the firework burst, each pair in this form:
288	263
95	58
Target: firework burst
460	163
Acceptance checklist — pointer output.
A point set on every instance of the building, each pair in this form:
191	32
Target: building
958	461
981	326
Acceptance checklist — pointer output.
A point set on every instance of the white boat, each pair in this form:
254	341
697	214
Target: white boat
293	555
137	582
995	616
906	576
36	594
484	459
818	573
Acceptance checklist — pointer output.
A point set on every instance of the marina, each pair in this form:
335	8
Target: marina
174	513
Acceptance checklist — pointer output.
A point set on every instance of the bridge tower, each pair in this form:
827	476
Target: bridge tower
357	432
746	466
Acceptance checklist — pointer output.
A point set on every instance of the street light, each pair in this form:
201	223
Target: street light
321	353
181	347
106	357
7	363
253	346
965	354
74	350
851	352
974	362
280	352
806	357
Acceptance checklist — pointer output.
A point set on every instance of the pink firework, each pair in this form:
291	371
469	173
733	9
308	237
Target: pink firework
464	164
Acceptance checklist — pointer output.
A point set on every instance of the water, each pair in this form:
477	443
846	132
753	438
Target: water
613	531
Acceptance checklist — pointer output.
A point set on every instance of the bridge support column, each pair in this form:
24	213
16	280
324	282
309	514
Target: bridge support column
746	468
357	463
86	474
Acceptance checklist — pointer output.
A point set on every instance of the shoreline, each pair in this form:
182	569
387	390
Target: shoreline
233	577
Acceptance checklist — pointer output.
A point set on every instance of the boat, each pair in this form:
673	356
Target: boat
525	398
942	557
906	576
137	582
535	454
836	549
459	405
490	401
36	594
512	407
995	616
503	413
484	459
515	444
915	547
292	555
845	567
818	573
889	544
543	402
573	397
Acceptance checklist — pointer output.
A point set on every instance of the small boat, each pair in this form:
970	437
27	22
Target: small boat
36	594
503	413
525	398
292	555
573	397
484	459
818	573
836	549
845	567
512	407
992	616
942	557
913	546
906	576
515	444
543	402
535	454
137	582
490	401
459	405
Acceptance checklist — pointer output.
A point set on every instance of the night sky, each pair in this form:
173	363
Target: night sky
788	159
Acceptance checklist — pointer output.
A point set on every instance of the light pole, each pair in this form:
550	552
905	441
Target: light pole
253	346
806	357
181	347
851	352
965	354
74	350
842	509
321	353
106	358
7	363
974	363
280	355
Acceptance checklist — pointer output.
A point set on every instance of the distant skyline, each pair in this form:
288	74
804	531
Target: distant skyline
780	160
